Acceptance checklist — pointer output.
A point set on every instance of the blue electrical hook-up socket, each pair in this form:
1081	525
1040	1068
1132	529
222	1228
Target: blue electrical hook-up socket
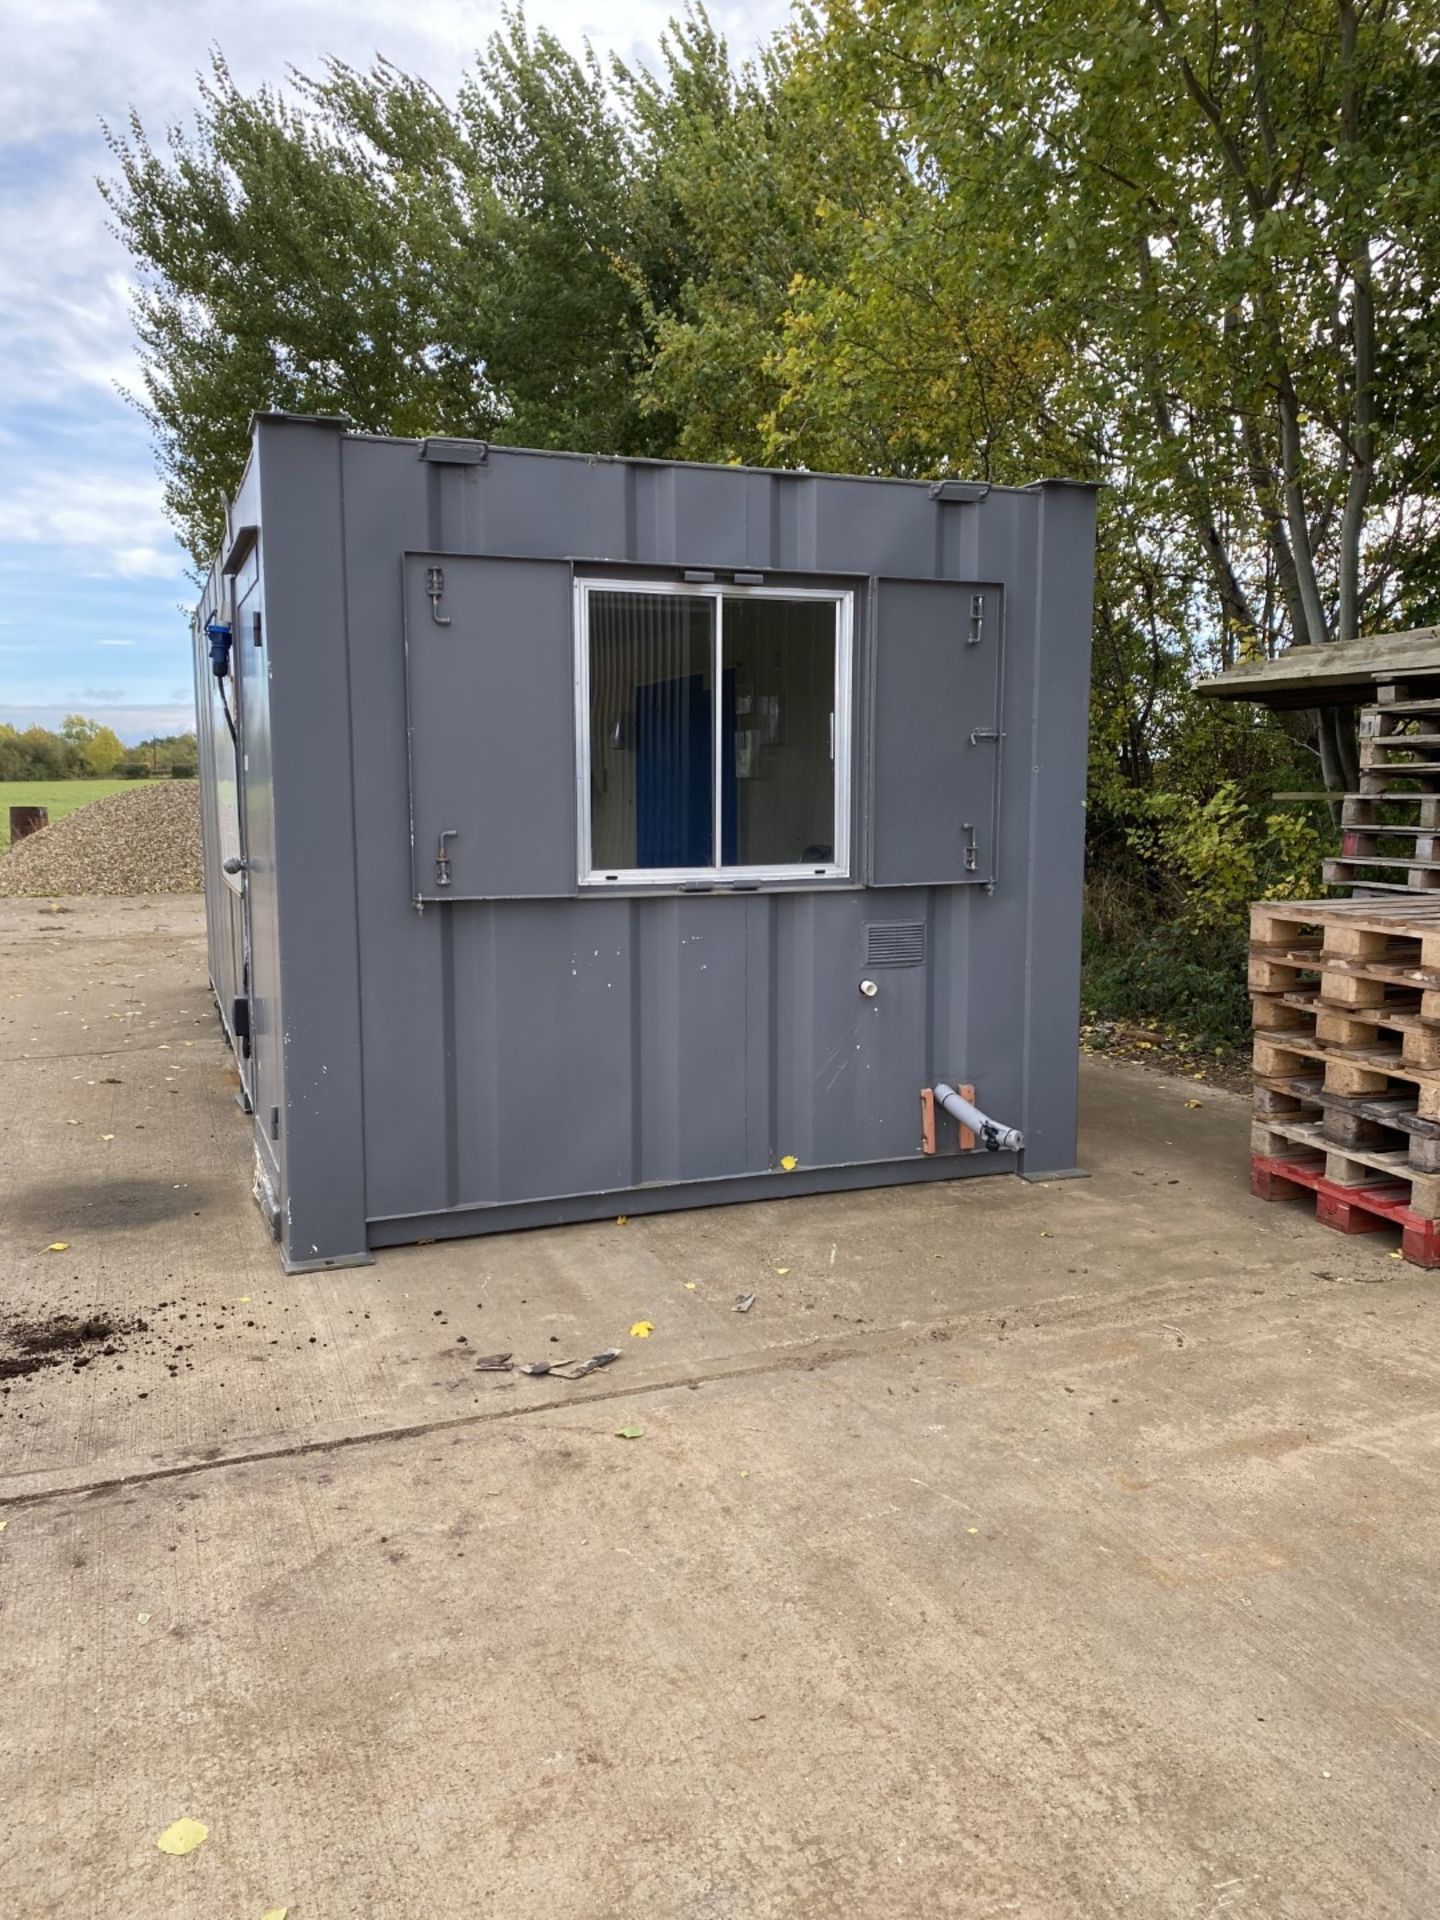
219	635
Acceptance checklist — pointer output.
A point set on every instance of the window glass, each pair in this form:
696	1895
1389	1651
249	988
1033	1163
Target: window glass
713	739
777	754
651	730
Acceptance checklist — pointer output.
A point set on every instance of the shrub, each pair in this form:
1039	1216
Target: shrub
183	770
1225	853
134	770
1171	976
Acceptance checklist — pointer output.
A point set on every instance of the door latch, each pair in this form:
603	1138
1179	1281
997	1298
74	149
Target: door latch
977	620
972	857
977	734
435	587
442	857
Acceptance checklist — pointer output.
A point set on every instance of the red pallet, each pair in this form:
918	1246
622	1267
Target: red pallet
1349	1209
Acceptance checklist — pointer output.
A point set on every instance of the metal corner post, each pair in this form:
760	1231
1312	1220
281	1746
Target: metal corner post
1060	690
321	1139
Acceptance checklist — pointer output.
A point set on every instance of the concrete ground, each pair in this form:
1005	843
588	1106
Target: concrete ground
1033	1551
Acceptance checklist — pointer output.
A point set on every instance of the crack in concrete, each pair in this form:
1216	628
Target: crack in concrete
805	1359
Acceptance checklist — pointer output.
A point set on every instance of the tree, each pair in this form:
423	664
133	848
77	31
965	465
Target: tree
1222	217
103	752
360	246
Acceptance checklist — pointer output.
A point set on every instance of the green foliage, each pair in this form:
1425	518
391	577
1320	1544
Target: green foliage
1222	854
83	749
37	754
134	770
165	750
1171	977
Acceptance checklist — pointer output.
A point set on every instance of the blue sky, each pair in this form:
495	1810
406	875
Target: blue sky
92	583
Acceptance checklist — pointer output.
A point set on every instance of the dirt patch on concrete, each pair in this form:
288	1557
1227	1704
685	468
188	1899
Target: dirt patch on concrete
62	1339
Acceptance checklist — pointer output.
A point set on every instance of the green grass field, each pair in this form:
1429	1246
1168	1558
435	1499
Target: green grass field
60	796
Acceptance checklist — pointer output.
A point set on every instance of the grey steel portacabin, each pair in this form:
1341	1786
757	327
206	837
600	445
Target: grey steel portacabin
606	836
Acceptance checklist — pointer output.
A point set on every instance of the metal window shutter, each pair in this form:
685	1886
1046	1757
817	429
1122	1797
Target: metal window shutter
491	720
935	735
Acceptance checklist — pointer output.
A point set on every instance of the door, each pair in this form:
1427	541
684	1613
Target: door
257	833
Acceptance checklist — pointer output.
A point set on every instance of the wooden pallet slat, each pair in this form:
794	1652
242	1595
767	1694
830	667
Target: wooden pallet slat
1348	1209
1355	1071
1351	1164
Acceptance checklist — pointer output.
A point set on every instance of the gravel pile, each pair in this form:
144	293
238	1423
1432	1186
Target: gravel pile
146	840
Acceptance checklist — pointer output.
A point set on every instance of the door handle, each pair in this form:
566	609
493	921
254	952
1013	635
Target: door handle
977	734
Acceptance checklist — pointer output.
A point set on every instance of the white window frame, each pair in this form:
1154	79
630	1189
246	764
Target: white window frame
719	877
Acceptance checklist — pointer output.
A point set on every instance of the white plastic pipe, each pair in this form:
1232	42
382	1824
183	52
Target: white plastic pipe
992	1136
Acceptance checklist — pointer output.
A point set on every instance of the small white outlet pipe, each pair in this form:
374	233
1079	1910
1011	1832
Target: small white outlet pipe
991	1135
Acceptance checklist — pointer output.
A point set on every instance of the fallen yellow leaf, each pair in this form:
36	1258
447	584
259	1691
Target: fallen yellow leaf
1194	1103
3	1525
642	1330
782	1269
622	1219
274	1913
183	1836
58	1246
244	1300
107	1136
789	1162
690	1286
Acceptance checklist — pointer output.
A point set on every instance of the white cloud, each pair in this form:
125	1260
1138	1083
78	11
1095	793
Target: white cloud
114	643
147	563
89	58
111	522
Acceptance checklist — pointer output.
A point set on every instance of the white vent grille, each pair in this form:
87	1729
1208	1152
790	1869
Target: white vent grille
895	943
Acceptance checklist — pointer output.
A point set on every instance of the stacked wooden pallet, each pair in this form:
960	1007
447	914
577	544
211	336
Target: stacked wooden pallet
1391	828
1347	1062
